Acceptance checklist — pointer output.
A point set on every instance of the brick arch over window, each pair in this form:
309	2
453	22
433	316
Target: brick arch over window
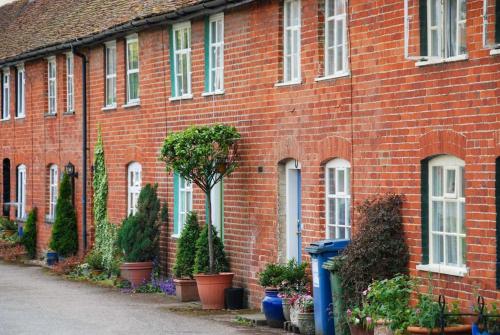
334	147
442	142
133	154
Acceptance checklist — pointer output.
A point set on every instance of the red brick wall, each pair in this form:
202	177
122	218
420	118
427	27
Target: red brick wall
384	119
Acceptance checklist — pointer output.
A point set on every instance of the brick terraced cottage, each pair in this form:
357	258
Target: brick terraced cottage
336	101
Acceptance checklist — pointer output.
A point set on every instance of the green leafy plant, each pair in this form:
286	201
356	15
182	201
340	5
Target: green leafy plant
290	278
7	224
29	234
64	232
490	323
358	317
203	155
94	260
185	257
138	235
272	275
201	262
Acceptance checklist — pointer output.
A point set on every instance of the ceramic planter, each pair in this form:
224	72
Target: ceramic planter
272	306
382	328
294	314
455	330
306	323
136	273
286	308
211	288
359	330
52	258
186	290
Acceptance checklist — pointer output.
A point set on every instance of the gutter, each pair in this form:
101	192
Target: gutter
207	7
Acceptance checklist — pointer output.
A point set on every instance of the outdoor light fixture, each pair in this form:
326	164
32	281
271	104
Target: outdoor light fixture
70	170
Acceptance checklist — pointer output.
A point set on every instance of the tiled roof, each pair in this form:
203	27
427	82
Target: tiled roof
27	25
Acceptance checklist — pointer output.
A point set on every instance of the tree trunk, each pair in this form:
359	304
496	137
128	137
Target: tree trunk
210	237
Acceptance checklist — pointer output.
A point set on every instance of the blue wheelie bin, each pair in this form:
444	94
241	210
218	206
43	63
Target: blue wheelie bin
320	252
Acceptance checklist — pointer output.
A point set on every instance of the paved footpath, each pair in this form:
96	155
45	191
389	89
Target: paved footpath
34	302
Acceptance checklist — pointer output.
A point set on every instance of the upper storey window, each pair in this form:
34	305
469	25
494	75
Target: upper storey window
181	58
335	38
20	92
291	41
52	85
69	83
5	95
215	53
110	60
132	69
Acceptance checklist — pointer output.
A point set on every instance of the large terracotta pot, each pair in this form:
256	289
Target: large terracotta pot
455	330
211	288
186	290
136	273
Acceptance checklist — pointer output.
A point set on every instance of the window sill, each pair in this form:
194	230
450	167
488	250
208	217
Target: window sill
494	52
175	236
433	61
183	97
72	112
132	104
288	83
443	269
22	219
49	220
49	115
333	76
5	120
210	94
19	117
108	108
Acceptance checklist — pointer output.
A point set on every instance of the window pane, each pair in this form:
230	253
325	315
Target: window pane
331	204
330	7
339	7
213	31
182	204
220	30
451	27
341	209
340	59
340	181
348	212
435	9
295	13
437	248
434	43
185	89
287	13
331	180
437	181
450	181
451	250
186	38
133	86
437	216
341	233
451	217
189	205
462	218
462	182
462	48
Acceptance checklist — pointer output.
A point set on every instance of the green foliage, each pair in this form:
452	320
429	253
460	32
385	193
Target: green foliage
287	277
64	232
203	155
389	299
184	259
201	262
272	276
29	234
378	251
138	235
94	260
105	232
7	224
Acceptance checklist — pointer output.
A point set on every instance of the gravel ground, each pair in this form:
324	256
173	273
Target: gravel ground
35	302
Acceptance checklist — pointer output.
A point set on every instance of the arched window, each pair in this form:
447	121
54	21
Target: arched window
134	186
21	192
338	199
53	189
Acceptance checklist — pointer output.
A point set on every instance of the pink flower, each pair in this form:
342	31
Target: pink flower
365	292
368	320
349	313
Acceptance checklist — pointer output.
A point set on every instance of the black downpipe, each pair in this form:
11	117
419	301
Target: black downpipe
84	146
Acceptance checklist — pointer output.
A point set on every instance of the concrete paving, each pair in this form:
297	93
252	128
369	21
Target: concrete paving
35	302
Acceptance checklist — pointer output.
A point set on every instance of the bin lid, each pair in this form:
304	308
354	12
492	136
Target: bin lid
319	247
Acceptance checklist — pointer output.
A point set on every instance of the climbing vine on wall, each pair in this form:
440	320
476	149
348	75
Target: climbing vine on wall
105	232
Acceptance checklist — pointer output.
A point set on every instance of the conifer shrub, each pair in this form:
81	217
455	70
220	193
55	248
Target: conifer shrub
202	262
29	234
64	232
138	235
184	259
378	251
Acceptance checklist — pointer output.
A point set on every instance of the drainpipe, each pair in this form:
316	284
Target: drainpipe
84	146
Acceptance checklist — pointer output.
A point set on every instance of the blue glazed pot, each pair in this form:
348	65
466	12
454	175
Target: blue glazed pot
52	258
273	309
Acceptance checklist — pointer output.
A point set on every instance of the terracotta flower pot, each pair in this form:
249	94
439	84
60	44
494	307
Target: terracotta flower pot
382	328
186	290
211	288
136	273
455	330
359	330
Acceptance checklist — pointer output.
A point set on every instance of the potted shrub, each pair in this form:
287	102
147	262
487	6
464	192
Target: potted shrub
204	155
305	318
138	238
29	237
359	323
185	285
272	305
294	282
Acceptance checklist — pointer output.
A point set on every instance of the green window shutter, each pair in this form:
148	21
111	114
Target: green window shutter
497	21
497	201
423	27
207	54
172	67
176	203
424	190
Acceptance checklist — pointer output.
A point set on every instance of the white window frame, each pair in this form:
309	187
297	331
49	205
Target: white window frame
180	52
21	191
443	31
52	82
218	87
187	193
134	38
331	70
6	94
134	182
53	191
70	84
292	59
21	91
332	227
447	163
110	59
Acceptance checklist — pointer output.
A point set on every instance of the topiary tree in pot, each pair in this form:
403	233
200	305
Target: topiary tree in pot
64	232
184	260
204	155
29	234
138	237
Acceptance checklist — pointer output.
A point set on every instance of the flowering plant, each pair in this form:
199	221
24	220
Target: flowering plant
304	303
289	290
358	317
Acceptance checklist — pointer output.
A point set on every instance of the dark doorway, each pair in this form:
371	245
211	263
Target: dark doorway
6	185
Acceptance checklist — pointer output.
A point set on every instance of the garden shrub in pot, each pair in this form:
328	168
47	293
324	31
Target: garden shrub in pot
186	289
29	234
138	237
